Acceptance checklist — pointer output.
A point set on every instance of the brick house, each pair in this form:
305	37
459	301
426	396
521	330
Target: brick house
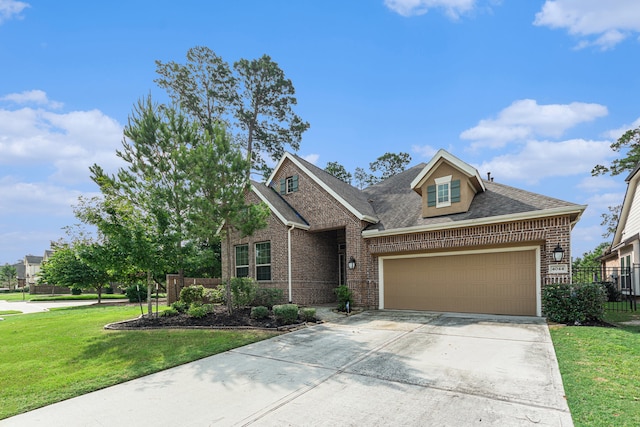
434	237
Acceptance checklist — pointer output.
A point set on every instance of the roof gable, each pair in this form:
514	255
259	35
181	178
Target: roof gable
628	222
444	156
354	200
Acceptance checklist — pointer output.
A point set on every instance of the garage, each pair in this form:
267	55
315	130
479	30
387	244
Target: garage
491	282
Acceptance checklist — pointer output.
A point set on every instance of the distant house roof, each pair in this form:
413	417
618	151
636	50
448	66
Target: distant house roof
32	259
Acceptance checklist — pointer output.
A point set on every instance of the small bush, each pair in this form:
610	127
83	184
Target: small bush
108	290
286	314
574	303
192	294
216	295
243	291
307	314
199	310
613	294
259	312
268	297
76	291
136	293
344	295
169	312
180	306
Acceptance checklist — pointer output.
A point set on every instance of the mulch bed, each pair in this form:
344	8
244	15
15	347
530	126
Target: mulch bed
220	319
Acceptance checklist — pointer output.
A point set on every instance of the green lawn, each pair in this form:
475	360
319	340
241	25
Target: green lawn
18	296
52	356
600	370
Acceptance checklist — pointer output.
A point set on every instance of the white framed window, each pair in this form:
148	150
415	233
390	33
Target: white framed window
443	192
242	260
263	261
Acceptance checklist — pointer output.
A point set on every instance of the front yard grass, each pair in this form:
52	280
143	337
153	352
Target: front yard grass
599	368
52	356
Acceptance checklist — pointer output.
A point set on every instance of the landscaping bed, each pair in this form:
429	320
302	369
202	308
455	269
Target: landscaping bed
219	318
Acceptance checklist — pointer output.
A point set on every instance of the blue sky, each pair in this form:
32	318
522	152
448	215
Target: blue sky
532	91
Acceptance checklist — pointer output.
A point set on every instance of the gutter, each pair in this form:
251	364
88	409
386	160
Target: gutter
475	222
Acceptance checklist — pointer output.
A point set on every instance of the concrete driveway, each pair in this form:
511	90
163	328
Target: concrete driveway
377	368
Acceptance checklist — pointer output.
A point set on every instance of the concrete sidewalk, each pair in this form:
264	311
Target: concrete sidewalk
39	306
377	368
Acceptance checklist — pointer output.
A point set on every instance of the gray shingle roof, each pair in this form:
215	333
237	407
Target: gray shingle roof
348	192
279	204
398	206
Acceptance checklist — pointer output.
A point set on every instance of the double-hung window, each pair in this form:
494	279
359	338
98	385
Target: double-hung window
242	261
263	261
443	191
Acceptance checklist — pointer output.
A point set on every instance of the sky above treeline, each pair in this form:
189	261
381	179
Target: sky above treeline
533	92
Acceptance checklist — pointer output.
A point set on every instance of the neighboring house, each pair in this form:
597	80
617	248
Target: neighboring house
625	248
435	237
20	274
32	265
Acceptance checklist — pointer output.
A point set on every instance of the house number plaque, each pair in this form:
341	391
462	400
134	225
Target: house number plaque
559	269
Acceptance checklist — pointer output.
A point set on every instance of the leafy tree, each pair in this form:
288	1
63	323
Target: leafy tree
68	267
588	259
630	141
337	170
256	103
390	164
610	220
217	175
264	110
363	178
8	273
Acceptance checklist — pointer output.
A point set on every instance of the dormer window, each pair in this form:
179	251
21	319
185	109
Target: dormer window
289	184
443	192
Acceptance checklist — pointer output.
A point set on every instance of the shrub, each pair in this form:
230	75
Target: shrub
192	294
574	303
76	291
243	291
136	293
169	312
108	290
344	296
199	310
215	295
259	312
180	306
286	314
307	314
613	293
268	297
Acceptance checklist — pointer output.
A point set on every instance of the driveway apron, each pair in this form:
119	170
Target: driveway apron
377	368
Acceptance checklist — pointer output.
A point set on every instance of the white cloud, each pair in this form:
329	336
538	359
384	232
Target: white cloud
525	119
544	159
598	184
311	158
614	134
36	198
424	150
452	8
10	9
600	23
37	97
71	142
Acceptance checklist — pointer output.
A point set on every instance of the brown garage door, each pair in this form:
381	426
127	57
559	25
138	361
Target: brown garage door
492	283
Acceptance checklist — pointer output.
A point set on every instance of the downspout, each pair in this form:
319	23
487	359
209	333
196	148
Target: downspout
289	260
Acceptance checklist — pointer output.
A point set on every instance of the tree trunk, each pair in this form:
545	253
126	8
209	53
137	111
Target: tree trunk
227	236
149	300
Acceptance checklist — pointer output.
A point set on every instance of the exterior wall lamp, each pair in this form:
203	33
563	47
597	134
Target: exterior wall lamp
558	253
352	263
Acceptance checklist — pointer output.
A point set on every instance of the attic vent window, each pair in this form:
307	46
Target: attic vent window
443	192
289	184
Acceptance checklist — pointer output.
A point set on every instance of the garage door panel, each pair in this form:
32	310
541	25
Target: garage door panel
496	283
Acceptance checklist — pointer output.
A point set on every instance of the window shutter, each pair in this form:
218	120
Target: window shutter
294	183
455	191
431	195
283	186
